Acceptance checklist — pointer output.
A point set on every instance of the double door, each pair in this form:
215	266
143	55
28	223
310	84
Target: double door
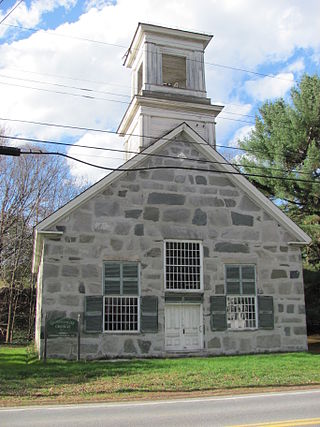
183	327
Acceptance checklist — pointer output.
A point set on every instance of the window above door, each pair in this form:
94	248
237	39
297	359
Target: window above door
183	261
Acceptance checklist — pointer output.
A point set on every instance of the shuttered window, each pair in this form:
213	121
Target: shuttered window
266	312
93	314
149	314
241	299
121	297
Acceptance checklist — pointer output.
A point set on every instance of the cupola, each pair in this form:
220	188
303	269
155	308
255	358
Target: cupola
168	86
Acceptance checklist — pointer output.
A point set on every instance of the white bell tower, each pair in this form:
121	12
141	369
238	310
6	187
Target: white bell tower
168	86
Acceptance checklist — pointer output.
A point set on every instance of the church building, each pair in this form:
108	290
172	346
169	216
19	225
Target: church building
176	252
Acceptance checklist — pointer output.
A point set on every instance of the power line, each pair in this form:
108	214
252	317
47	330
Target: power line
89	90
67	77
85	89
214	64
41	89
8	14
117	150
91	97
148	168
87	129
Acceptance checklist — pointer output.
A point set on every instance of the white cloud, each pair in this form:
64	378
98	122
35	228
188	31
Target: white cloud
108	159
269	88
240	134
297	66
31	16
230	116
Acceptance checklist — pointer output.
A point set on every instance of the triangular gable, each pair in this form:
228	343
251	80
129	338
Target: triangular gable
209	152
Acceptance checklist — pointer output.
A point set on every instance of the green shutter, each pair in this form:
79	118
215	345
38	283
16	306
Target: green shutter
93	314
218	317
112	278
265	312
130	279
149	314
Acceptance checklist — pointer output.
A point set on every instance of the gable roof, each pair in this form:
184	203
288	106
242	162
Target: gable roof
208	151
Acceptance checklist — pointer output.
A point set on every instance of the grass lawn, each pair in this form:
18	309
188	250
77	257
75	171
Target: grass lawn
24	379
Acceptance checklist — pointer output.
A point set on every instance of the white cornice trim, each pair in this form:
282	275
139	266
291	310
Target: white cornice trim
38	245
143	101
143	29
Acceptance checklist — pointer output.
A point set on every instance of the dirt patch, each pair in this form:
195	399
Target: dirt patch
142	397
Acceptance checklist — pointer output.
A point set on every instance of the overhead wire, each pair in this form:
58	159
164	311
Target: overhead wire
60	76
93	90
91	97
125	47
148	168
87	129
12	10
85	89
41	89
117	150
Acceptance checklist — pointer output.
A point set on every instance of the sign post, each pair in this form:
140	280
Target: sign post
45	339
78	356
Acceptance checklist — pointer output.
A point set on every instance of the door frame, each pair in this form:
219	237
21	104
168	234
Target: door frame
201	331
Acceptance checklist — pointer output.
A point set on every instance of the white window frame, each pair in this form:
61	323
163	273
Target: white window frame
137	331
242	295
200	289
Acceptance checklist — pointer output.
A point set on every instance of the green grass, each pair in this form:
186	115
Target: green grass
23	378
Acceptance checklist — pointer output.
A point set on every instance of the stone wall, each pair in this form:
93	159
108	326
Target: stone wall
130	219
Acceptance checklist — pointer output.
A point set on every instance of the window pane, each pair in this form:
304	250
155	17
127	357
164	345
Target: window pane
241	312
183	266
233	272
249	288
248	272
121	314
233	288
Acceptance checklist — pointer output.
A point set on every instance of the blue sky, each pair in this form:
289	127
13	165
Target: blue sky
280	38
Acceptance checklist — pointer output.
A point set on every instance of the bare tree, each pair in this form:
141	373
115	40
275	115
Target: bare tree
31	187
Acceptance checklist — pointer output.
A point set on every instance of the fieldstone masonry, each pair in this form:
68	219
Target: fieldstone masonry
131	218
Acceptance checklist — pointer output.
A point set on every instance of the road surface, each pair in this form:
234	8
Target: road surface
282	409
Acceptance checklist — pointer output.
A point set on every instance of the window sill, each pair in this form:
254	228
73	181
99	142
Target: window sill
183	291
121	332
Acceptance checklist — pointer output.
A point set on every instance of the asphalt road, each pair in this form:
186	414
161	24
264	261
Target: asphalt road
283	409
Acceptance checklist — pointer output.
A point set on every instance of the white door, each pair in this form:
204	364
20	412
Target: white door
183	327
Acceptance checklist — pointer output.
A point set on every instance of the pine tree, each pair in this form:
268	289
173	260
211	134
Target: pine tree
286	142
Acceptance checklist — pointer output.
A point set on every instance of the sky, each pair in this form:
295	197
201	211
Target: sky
61	63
